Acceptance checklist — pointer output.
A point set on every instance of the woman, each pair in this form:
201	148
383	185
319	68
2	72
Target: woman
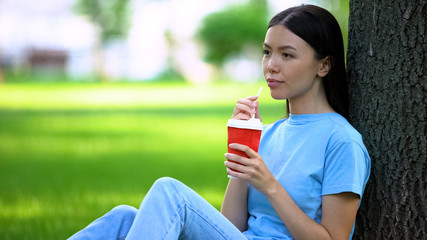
308	178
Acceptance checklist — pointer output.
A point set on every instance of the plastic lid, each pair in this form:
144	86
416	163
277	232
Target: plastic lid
252	123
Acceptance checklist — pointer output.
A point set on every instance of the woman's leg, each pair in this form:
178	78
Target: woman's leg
113	225
172	210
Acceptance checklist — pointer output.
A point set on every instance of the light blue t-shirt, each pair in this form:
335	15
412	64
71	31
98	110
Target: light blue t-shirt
311	155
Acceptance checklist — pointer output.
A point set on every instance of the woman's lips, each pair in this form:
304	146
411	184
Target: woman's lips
273	82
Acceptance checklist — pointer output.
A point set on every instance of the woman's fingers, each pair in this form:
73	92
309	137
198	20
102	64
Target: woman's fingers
241	167
242	112
238	162
235	174
245	104
245	108
249	151
257	113
236	159
234	166
252	98
251	169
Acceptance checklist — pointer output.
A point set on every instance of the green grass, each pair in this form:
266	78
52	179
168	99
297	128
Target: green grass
71	152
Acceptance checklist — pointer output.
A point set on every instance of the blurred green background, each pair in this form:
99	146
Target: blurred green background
73	146
71	152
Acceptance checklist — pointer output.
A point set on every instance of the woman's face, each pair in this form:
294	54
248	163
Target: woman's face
289	65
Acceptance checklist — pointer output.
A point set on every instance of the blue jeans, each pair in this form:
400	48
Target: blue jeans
170	210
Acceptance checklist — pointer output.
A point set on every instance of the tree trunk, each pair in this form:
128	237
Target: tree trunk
386	58
99	58
1	75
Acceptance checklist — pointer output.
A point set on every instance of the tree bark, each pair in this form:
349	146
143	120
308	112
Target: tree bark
387	59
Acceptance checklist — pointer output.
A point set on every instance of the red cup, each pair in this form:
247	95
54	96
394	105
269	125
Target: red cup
246	132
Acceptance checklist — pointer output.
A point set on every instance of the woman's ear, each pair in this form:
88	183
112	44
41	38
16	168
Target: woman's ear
325	66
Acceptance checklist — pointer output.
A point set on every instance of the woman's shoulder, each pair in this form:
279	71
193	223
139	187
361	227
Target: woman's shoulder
343	132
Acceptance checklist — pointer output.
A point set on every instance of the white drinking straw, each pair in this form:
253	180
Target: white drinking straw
259	92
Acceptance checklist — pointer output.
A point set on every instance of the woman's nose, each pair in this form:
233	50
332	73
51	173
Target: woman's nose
272	65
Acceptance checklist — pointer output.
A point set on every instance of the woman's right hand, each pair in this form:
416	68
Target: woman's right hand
246	107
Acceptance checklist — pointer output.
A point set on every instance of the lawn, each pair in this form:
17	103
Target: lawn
71	152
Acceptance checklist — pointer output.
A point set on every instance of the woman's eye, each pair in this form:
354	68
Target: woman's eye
266	52
286	55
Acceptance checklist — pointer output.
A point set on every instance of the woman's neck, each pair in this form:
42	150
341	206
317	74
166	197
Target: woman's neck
311	103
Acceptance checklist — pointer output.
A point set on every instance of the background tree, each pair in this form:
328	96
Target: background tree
111	19
1	67
171	70
1	70
387	53
226	33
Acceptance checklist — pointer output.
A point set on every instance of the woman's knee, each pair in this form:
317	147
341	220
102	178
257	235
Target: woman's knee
124	212
166	182
169	188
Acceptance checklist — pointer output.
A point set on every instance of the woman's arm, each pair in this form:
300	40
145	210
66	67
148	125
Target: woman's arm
338	215
338	210
235	204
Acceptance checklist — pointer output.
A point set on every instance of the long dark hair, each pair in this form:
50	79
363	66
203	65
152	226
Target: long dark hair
319	28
